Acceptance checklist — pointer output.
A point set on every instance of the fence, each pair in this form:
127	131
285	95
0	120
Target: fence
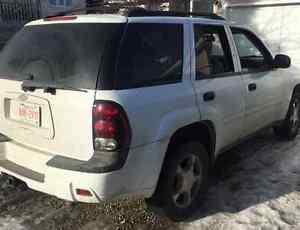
15	11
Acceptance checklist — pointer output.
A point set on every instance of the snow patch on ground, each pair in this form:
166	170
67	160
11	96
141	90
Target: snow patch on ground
256	186
11	223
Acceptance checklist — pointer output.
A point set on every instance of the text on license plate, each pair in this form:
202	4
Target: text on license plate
29	114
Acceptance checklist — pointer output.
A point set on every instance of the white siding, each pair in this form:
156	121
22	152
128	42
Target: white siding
278	26
290	38
234	3
265	21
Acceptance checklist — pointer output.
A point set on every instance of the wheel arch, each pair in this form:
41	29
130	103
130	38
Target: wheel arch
296	89
203	132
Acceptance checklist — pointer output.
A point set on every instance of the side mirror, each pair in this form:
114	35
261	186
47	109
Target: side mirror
282	61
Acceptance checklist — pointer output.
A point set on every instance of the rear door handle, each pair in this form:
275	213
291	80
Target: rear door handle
209	96
252	87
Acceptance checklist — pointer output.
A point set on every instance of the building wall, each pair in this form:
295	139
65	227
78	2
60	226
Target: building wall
202	6
16	11
14	14
50	7
258	2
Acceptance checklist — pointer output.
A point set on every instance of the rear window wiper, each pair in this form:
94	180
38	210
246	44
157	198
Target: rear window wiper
31	86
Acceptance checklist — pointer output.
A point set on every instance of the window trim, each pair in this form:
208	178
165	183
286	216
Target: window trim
236	74
228	49
258	44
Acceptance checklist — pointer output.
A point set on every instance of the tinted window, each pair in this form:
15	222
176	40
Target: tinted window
213	55
151	54
253	54
67	54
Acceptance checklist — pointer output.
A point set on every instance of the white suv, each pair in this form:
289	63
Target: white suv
95	107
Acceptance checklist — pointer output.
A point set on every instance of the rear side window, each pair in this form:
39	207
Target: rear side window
212	51
150	54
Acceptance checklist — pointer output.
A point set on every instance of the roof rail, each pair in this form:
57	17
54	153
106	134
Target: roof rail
136	12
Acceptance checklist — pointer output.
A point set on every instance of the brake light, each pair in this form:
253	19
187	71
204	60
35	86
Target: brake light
105	129
60	18
110	127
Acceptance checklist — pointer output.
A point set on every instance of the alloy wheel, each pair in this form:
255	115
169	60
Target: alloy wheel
294	118
187	181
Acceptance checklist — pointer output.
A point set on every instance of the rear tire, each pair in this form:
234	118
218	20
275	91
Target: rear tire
289	129
183	182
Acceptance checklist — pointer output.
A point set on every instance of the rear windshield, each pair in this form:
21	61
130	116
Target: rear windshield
67	54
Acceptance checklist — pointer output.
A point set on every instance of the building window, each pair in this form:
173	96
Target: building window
60	2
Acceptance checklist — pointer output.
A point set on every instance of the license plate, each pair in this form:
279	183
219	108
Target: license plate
26	113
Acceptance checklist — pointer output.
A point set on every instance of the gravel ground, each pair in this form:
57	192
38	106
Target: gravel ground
256	186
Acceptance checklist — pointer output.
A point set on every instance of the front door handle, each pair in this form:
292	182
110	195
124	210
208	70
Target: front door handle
209	96
252	87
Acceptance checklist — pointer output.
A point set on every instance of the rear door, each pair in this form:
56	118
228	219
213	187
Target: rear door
59	64
59	124
220	92
264	84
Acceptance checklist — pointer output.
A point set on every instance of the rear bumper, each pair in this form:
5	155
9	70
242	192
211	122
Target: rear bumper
138	177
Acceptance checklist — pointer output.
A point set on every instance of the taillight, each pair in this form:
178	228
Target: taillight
111	139
110	127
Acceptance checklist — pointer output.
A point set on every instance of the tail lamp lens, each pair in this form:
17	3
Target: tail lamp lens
111	127
105	129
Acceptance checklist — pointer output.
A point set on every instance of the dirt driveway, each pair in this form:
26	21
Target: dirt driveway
256	186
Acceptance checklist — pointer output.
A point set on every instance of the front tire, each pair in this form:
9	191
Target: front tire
183	182
289	129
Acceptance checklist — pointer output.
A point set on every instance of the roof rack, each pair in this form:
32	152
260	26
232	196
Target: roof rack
136	12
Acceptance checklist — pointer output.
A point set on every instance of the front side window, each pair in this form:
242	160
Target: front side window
253	54
150	54
212	51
